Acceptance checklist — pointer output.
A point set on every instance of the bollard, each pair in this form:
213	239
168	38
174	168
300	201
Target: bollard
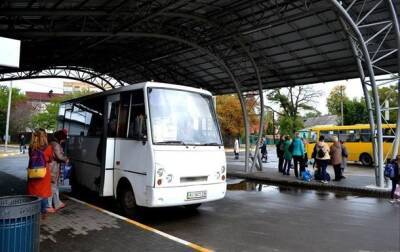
19	223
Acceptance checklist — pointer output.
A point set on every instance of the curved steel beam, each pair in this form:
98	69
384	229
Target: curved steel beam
353	26
89	76
396	30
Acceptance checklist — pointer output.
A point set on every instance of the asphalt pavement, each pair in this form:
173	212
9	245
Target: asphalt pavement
253	217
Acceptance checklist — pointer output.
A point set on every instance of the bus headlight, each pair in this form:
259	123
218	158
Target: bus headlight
160	172
169	178
223	168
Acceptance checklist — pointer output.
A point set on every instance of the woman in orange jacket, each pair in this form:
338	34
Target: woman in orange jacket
41	187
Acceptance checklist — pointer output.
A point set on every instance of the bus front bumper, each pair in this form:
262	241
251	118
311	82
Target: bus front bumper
184	195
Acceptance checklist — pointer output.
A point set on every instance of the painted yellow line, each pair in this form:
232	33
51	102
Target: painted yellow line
143	226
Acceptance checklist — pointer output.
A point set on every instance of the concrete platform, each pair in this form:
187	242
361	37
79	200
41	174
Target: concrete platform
82	227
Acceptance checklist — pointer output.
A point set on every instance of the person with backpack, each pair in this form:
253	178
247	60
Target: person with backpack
280	150
57	139
392	172
336	158
322	157
287	156
39	173
297	149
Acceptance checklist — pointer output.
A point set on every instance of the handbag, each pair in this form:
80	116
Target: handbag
37	165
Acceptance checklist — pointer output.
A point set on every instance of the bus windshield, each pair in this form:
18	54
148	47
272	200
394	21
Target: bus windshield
182	117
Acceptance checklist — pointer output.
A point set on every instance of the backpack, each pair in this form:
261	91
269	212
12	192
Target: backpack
320	152
389	170
37	164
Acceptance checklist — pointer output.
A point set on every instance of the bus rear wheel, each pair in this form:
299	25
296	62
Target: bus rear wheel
366	159
127	200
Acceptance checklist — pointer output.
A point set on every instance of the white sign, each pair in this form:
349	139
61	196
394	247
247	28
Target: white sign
9	52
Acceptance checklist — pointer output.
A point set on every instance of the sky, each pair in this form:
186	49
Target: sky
353	88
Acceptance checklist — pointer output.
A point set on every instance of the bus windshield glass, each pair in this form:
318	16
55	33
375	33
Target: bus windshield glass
182	117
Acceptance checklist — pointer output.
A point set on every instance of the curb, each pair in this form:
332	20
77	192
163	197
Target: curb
314	186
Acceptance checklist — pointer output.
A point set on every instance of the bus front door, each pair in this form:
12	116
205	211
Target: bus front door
111	109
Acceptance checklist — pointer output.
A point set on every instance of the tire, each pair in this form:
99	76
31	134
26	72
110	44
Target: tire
366	159
127	200
192	206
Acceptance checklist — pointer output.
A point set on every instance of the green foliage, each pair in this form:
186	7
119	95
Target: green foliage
312	114
292	100
354	111
16	97
289	125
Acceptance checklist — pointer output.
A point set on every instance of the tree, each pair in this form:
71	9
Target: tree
16	98
354	111
230	117
21	117
292	100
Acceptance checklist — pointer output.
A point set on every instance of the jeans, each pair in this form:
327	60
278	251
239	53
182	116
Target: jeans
43	205
395	181
287	165
323	164
298	161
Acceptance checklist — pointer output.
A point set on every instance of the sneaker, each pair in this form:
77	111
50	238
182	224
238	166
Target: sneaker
324	182
61	206
392	201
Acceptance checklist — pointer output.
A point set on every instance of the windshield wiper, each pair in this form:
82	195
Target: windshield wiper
211	144
172	142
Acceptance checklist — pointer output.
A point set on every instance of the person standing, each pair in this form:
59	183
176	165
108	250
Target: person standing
263	150
280	150
395	180
298	155
22	144
336	158
236	148
40	187
59	137
287	156
345	155
322	157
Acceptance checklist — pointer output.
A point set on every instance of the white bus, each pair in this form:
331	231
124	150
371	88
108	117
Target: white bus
149	144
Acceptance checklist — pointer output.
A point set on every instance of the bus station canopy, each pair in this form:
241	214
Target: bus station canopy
192	42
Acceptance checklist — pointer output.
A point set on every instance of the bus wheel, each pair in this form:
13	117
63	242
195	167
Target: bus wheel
127	201
366	159
192	206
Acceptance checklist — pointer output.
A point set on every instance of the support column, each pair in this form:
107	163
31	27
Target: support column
368	64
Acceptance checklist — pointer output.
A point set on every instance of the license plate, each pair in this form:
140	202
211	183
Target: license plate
196	195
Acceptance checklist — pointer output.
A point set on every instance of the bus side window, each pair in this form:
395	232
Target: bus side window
113	119
328	134
388	135
365	135
137	120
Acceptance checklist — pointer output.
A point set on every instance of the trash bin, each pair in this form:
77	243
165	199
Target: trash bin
19	223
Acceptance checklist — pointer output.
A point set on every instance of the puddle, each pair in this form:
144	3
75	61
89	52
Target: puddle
245	185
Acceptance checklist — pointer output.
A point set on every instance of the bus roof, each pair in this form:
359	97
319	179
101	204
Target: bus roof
345	127
138	86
